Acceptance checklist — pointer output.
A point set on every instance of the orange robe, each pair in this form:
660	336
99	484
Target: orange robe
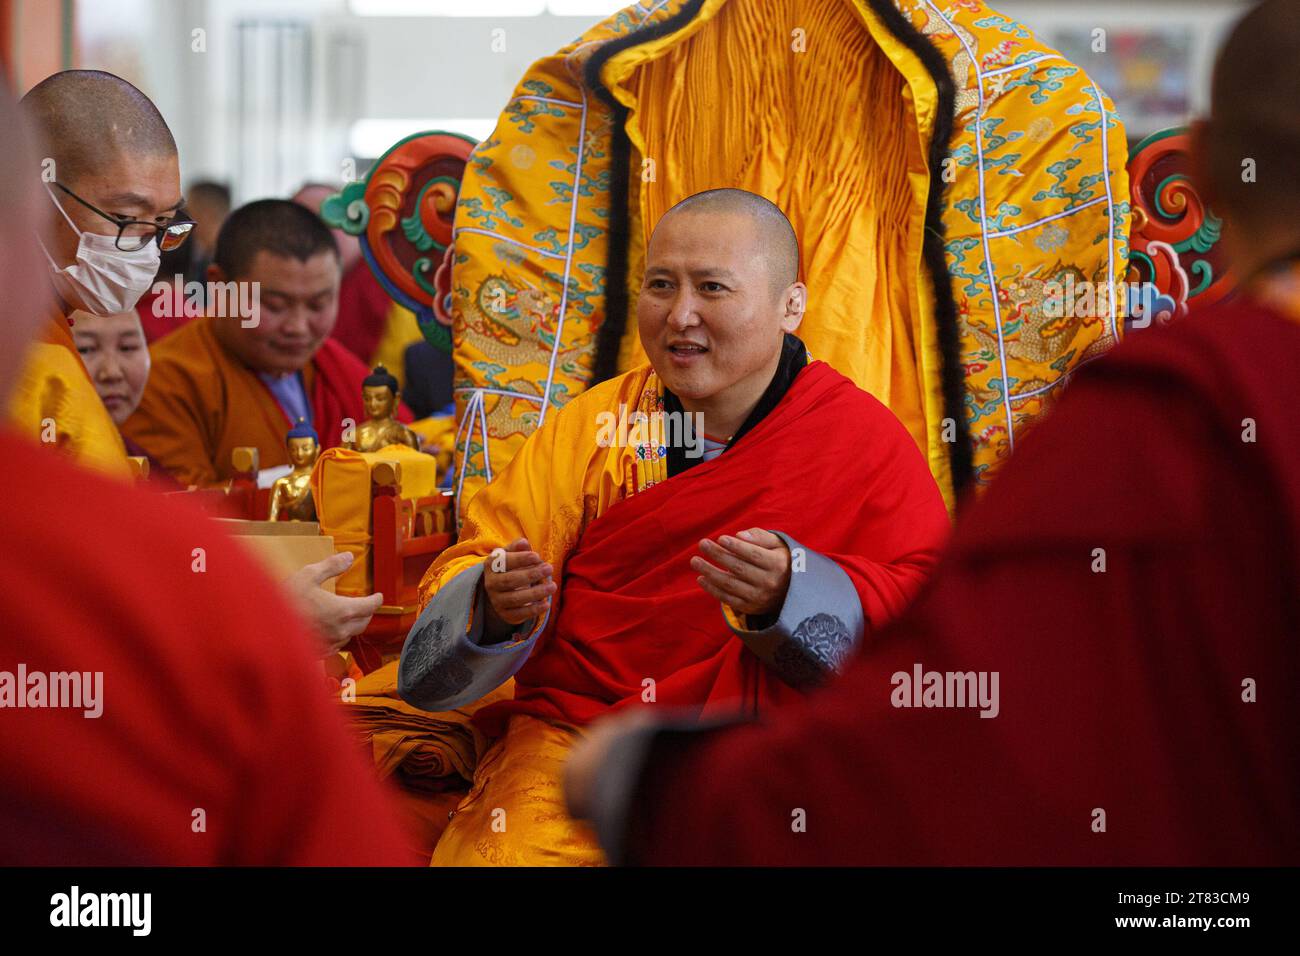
202	403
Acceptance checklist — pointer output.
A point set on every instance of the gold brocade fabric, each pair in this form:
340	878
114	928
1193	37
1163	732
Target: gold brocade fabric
55	403
821	107
580	464
515	813
340	487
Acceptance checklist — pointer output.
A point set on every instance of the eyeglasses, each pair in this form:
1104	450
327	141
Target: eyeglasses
134	234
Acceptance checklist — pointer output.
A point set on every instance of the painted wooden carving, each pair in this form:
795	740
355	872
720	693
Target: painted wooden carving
1175	255
402	212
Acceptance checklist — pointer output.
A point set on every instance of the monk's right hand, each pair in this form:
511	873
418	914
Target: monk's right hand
518	586
337	618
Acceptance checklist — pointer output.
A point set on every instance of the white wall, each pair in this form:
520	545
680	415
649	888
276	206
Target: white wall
422	68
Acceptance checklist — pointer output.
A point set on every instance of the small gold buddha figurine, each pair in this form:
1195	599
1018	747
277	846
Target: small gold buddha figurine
379	391
291	495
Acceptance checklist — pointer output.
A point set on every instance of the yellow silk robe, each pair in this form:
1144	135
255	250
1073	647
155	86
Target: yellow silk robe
583	478
519	776
55	402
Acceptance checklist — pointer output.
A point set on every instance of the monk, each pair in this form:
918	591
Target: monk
116	356
108	170
209	203
261	359
715	530
1126	668
115	201
156	709
115	352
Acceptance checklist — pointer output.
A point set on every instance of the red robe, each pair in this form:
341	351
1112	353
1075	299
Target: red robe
363	312
1121	691
829	465
211	698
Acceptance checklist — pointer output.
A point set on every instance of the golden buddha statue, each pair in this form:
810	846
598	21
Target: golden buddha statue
291	495
379	393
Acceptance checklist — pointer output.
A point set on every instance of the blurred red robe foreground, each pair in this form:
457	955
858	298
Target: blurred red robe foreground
1148	713
209	738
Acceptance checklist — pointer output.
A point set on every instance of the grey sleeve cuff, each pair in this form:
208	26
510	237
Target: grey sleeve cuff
622	774
820	624
445	663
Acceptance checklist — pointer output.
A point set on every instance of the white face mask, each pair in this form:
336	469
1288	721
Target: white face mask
104	280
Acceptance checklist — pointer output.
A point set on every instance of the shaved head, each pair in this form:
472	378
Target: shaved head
278	226
83	118
721	290
111	150
776	235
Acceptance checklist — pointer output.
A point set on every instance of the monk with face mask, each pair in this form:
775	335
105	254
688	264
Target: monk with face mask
109	175
153	715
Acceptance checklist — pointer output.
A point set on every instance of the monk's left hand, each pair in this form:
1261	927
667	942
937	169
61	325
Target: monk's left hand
750	573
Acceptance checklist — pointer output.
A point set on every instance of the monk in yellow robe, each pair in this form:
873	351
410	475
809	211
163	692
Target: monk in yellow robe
111	180
262	358
716	531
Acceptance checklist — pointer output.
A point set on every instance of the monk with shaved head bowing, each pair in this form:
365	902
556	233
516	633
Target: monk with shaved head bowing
152	715
715	531
109	168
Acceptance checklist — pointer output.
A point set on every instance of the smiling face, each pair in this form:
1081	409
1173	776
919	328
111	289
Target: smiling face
112	347
379	401
295	311
302	451
710	319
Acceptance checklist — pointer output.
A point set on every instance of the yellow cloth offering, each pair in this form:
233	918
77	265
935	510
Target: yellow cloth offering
340	487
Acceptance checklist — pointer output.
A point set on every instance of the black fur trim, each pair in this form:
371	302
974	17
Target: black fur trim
952	376
610	335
